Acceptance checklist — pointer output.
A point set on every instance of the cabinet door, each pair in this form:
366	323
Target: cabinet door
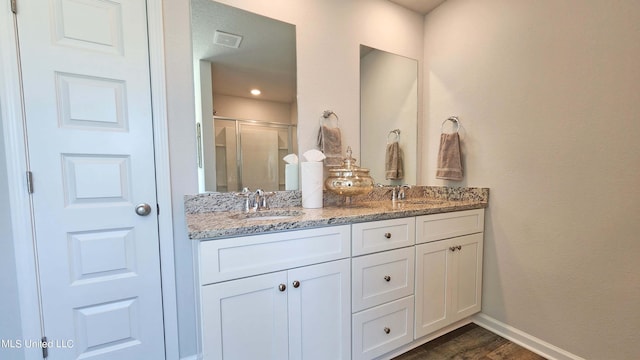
432	286
466	291
245	318
320	311
449	285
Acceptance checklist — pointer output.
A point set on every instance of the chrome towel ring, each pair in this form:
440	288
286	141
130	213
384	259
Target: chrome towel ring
396	132
326	114
453	119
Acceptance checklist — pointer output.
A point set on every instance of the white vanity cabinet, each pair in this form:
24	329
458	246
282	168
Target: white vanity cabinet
367	290
448	268
383	284
277	296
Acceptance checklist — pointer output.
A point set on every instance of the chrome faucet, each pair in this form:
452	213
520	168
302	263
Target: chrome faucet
397	191
258	199
401	191
246	195
261	199
394	193
255	201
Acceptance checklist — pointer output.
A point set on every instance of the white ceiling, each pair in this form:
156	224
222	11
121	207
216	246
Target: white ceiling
419	6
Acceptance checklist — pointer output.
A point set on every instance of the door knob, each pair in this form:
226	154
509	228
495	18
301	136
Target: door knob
143	209
296	284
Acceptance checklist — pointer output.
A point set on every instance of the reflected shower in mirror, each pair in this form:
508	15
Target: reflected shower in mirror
245	97
388	102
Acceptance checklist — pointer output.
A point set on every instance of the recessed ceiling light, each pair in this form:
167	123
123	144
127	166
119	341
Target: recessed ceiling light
256	92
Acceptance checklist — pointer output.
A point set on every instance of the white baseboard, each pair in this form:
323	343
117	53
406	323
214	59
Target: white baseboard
523	339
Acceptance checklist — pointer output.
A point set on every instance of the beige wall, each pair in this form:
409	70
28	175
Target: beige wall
250	109
548	93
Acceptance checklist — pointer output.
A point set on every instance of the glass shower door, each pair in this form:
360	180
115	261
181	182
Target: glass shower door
259	157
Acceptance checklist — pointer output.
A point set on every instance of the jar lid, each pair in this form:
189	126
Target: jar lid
349	165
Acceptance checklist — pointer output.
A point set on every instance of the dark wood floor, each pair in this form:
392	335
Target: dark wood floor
470	342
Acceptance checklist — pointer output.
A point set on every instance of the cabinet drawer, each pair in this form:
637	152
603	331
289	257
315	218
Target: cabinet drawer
448	225
382	235
382	329
233	258
382	277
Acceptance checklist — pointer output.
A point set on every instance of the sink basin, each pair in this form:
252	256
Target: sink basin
265	215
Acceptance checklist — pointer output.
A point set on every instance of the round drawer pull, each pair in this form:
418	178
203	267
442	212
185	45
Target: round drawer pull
452	248
387	330
387	278
282	287
296	284
387	235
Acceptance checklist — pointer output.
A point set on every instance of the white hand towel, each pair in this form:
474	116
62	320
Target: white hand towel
449	158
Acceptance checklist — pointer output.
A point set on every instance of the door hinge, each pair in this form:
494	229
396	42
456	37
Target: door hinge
45	347
30	182
158	208
14	6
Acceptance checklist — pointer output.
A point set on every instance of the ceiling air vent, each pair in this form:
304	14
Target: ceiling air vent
226	39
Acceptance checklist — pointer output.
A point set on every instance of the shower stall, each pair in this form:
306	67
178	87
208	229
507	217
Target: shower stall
246	153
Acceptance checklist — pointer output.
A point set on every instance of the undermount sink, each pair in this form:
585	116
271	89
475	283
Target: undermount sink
264	215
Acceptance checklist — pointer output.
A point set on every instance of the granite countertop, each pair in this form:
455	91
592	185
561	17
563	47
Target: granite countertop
203	225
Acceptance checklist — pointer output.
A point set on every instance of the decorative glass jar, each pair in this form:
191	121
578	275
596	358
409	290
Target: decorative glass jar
349	179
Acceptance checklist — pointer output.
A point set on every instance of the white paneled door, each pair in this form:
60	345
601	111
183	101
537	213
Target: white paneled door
85	70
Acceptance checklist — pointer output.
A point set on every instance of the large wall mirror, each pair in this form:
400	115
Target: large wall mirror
388	113
242	136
